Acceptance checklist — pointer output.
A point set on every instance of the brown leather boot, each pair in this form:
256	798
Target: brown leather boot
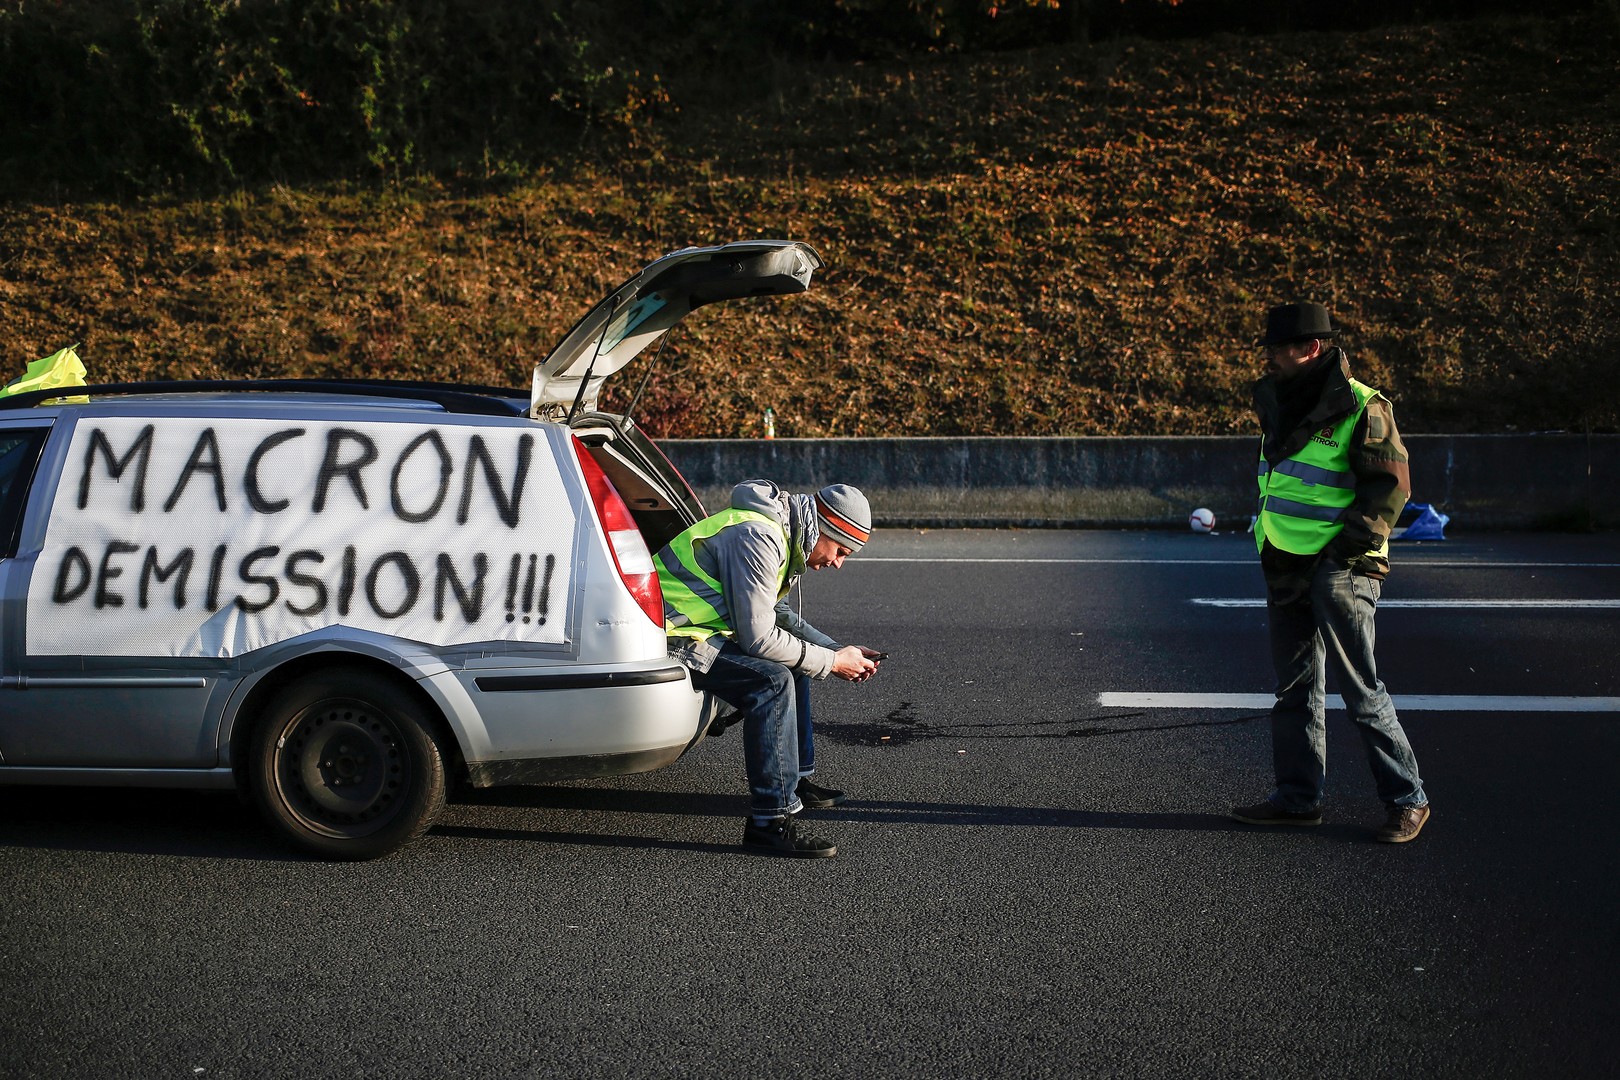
1404	823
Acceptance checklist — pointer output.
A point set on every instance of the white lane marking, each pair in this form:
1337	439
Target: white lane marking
1403	703
1412	564
1249	602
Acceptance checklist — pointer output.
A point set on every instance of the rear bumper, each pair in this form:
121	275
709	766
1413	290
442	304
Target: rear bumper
519	725
577	680
504	773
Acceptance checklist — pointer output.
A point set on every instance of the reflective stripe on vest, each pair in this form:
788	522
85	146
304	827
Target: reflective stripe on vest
1302	497
694	604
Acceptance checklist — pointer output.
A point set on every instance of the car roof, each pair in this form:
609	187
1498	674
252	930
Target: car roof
259	393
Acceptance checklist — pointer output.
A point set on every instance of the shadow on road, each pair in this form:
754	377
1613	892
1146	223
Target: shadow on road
137	821
213	825
607	800
885	812
902	726
588	839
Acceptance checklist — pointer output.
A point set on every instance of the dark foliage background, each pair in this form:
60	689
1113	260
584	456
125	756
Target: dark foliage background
1039	217
154	93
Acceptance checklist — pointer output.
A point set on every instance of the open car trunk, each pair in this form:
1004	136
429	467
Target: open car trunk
659	498
567	384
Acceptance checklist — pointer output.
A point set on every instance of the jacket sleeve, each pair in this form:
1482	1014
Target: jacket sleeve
748	558
1383	480
799	626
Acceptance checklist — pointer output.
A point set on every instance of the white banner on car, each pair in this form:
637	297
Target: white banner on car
217	537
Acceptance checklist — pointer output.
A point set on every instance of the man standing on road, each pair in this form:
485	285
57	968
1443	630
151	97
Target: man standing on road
1333	480
726	581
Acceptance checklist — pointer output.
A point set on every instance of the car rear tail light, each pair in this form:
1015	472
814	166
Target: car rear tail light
630	555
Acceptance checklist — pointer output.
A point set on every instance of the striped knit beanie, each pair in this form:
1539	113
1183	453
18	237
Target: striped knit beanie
843	513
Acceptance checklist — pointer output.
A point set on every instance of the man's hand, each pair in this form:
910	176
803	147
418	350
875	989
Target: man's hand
852	663
1344	553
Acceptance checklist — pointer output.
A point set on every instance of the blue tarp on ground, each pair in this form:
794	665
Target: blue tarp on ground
1420	521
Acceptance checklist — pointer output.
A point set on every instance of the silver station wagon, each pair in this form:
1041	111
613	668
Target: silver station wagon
342	598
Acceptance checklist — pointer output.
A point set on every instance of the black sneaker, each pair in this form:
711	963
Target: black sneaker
782	837
816	797
1269	813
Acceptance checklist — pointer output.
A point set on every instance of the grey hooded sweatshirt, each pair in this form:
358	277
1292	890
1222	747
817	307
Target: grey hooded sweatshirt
745	559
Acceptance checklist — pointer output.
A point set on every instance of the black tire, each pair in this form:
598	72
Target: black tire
345	765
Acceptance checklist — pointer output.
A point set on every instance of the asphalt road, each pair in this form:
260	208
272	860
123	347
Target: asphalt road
1029	882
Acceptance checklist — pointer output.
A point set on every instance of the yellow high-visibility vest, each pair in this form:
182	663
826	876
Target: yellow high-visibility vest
62	368
694	605
1302	496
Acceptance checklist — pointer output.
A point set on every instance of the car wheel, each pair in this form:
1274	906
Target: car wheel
346	766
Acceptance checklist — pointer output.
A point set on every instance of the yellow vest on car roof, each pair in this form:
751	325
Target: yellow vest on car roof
1301	497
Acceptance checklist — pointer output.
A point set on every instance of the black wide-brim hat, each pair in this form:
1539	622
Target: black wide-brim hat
1297	322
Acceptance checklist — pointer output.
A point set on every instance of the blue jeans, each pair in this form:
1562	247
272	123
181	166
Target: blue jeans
1327	619
807	726
778	736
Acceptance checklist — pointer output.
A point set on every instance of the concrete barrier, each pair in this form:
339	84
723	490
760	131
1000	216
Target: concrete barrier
1484	482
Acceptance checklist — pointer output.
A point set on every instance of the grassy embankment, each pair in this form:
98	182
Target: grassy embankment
1064	241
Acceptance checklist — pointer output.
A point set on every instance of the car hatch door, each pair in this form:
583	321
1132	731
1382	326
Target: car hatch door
640	311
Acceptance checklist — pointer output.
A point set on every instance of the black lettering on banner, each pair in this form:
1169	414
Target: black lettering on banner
472	607
346	582
306	581
74	561
512	571
544	602
446	467
408	576
506	508
539	603
332	466
151	568
116	465
528	588
207	442
250	479
244	571
105	597
216	570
